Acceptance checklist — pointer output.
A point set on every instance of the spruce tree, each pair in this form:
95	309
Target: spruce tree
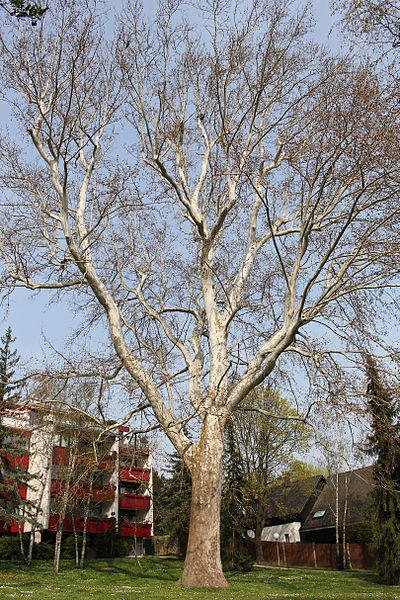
176	493
13	444
384	445
234	508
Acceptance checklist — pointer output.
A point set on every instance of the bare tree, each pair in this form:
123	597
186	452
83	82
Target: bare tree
380	21
254	215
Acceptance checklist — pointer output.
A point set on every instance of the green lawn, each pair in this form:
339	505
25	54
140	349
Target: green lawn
122	579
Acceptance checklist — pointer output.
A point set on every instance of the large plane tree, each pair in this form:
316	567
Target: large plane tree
212	188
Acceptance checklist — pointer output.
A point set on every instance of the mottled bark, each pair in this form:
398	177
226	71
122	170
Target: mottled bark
203	566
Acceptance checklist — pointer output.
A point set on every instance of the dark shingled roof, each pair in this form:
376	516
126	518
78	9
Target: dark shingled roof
292	500
359	485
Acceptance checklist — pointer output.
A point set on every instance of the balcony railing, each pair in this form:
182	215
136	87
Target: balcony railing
99	492
61	455
94	524
138	529
134	501
132	450
104	492
10	527
134	474
17	460
7	495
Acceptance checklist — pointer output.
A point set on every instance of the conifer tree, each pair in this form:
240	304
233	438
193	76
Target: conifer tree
234	507
180	490
21	9
172	511
13	444
384	444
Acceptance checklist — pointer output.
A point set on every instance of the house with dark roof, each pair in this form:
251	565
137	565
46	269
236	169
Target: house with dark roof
344	501
289	505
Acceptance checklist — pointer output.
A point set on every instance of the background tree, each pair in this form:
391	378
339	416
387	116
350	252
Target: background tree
267	432
235	520
258	203
14	446
172	503
384	446
378	20
24	10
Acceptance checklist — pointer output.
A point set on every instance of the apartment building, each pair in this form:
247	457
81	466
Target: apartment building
88	478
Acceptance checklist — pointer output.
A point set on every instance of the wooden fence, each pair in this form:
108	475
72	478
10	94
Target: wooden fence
310	554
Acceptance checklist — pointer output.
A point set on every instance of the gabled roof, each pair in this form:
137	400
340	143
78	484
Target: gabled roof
355	486
292	500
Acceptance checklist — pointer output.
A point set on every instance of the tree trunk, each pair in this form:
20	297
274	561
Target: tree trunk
30	547
338	561
62	513
57	548
203	567
76	541
258	532
344	552
85	522
21	543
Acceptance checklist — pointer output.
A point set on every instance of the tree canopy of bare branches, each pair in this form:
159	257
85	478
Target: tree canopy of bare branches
214	189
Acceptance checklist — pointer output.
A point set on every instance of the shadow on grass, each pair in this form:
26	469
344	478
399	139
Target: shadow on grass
149	568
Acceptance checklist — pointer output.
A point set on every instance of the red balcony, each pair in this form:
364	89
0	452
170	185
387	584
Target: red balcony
104	493
134	474
134	501
60	455
107	463
14	460
22	489
94	524
125	450
138	529
10	527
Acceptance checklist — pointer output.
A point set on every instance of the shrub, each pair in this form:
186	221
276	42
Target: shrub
9	547
43	551
110	544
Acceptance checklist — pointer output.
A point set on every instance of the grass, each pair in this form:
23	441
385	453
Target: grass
122	579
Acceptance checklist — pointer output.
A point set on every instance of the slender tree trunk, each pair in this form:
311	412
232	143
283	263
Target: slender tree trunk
21	543
337	522
75	540
203	566
258	532
63	512
344	551
85	522
57	547
30	547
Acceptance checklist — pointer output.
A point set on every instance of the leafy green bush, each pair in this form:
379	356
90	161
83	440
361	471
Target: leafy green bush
9	547
43	551
238	559
110	544
68	546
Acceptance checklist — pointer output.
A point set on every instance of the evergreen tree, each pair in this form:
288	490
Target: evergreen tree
13	444
160	498
172	504
234	508
24	10
384	444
